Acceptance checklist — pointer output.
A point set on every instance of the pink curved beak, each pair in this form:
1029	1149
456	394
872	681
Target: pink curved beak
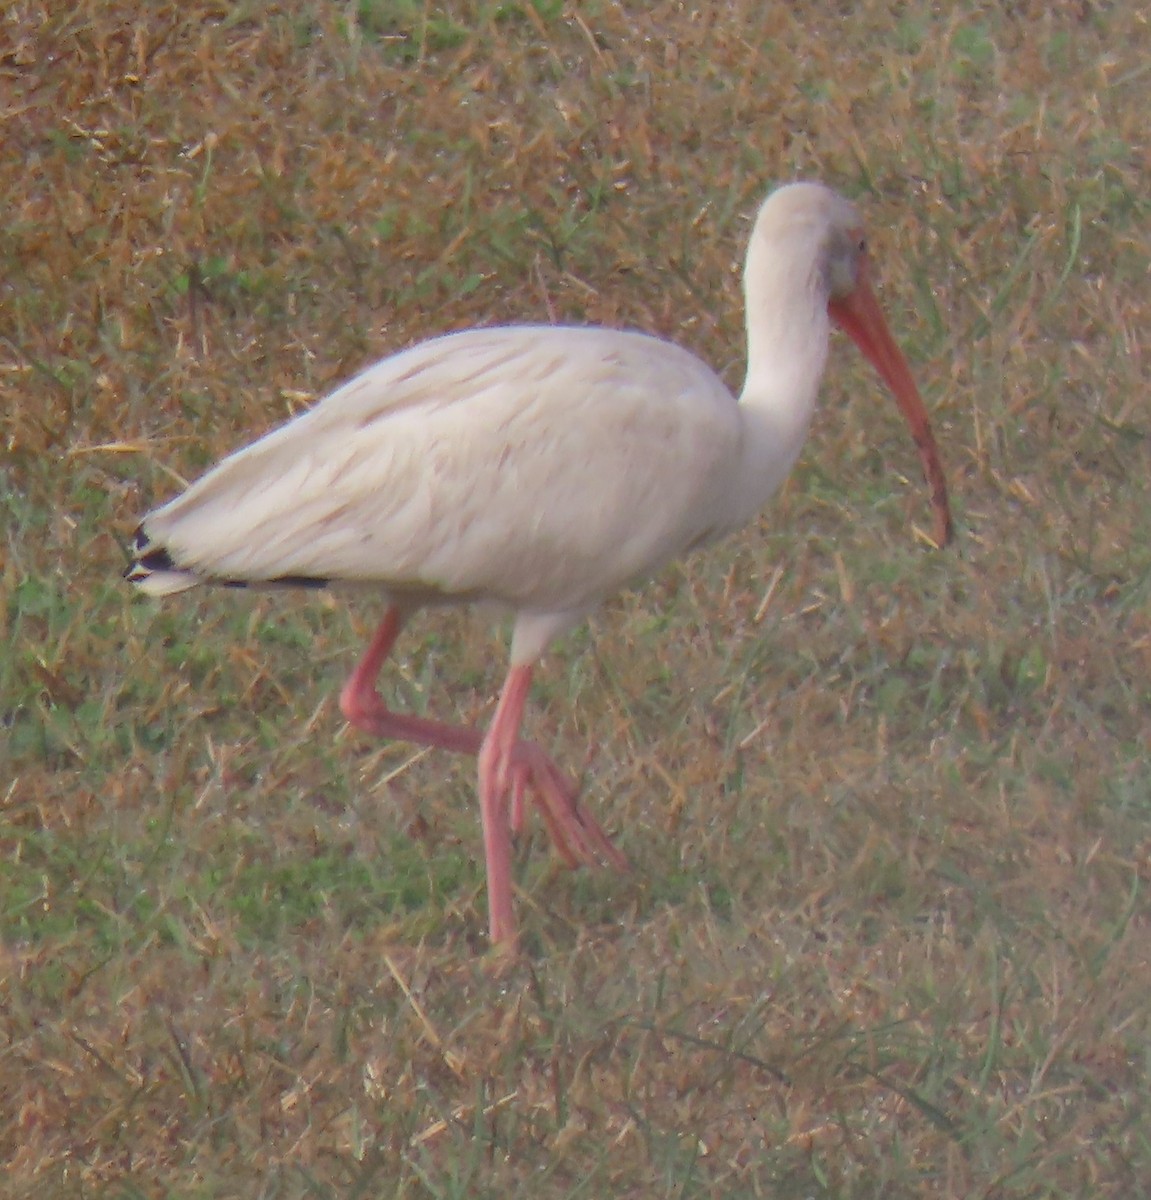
858	314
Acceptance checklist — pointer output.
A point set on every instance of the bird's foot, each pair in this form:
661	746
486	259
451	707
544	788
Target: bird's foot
576	834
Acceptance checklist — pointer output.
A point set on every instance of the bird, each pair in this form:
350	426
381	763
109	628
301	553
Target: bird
543	468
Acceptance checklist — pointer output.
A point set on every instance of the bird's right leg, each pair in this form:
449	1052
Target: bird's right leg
362	706
575	834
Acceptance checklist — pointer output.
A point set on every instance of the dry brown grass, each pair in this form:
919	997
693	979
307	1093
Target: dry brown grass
890	810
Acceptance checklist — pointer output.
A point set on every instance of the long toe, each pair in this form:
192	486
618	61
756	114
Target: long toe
576	834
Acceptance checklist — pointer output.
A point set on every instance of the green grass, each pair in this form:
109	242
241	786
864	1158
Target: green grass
888	808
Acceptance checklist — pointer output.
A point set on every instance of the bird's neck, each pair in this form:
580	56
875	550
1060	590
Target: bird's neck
787	339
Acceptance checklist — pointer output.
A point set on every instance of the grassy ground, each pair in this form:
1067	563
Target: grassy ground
889	808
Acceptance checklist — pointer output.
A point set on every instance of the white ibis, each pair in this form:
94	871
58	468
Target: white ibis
541	468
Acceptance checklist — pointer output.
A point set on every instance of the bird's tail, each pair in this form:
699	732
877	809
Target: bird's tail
156	573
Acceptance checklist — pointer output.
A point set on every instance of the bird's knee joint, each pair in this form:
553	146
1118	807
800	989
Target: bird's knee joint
352	705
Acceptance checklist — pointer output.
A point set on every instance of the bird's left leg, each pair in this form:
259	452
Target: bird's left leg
575	833
523	767
507	766
496	757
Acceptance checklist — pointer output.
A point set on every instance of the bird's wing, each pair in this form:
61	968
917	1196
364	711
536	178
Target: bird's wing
536	465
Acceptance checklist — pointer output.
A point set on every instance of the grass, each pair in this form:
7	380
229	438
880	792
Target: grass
889	812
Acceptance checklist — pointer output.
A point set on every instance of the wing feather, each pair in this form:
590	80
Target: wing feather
536	465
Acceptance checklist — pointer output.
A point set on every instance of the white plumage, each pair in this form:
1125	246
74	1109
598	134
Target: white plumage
540	467
409	475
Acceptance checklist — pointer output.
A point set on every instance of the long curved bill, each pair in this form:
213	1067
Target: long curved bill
858	314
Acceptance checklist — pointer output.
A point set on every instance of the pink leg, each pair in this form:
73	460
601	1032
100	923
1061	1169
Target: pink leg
362	707
496	787
506	763
509	768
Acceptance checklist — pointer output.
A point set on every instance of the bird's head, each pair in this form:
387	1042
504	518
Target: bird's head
826	230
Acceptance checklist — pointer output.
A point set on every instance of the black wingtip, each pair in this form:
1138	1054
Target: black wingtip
300	581
147	558
156	560
293	581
